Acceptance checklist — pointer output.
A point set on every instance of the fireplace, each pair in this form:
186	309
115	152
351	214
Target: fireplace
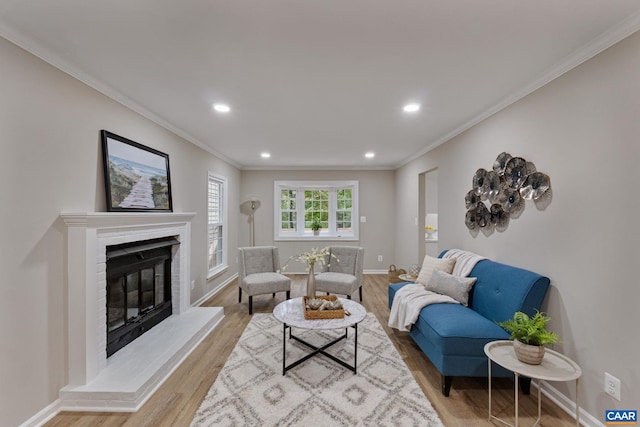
124	381
138	289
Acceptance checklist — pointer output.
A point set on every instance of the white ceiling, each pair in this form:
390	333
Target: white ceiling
317	83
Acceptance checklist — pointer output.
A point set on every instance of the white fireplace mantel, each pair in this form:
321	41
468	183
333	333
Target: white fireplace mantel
88	235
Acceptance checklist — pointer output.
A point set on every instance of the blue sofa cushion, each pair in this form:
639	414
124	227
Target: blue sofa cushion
501	290
457	330
454	328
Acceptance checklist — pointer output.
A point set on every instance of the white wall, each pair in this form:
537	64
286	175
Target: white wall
377	204
582	130
50	162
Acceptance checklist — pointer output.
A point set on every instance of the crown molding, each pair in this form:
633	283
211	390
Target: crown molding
607	39
37	50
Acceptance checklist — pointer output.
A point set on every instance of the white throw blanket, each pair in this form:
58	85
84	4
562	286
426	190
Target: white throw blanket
465	261
408	302
411	299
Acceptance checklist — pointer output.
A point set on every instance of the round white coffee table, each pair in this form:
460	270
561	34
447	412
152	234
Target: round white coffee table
554	367
291	314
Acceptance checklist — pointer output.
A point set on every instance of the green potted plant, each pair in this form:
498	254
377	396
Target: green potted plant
529	335
316	225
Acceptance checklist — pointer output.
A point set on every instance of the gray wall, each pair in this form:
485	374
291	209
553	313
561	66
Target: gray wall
51	162
582	130
377	203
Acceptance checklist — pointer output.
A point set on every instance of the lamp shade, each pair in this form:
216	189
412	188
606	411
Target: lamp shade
249	206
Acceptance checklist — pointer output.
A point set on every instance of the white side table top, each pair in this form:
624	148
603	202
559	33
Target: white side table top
554	367
291	313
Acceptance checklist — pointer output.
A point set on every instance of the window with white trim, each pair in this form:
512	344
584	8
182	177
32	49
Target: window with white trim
334	204
216	224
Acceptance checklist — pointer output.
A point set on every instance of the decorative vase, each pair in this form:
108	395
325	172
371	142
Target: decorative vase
311	283
414	270
530	354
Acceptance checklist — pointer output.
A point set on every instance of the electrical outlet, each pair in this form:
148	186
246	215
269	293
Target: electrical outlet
193	284
612	386
379	258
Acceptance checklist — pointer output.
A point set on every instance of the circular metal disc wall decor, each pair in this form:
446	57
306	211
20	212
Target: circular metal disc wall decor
535	185
515	172
511	200
472	199
499	217
479	180
501	163
512	181
493	186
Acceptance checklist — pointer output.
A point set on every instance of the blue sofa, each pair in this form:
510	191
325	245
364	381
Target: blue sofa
453	336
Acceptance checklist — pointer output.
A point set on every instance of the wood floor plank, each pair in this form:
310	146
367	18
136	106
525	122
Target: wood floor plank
177	400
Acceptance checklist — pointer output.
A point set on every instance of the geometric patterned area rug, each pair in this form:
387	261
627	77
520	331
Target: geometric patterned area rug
251	391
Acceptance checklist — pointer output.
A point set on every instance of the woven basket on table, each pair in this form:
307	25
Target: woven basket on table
322	314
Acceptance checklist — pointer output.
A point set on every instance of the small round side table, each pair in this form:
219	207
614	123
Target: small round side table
554	367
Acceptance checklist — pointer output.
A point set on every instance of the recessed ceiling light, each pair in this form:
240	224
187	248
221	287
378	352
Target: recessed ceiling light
265	155
370	155
411	108
221	108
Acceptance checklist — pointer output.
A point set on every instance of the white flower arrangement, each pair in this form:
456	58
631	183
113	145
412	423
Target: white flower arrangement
312	257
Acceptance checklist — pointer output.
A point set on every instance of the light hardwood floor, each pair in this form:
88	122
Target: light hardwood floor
176	401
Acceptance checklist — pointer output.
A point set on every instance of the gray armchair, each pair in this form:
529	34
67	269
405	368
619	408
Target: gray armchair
257	273
342	275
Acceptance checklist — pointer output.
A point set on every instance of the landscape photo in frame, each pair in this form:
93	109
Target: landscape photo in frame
136	176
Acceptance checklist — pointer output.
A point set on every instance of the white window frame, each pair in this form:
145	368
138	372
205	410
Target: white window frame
222	181
300	233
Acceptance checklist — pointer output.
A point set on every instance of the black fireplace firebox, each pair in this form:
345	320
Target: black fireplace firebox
138	289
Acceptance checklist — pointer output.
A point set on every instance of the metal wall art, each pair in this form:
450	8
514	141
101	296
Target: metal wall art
498	195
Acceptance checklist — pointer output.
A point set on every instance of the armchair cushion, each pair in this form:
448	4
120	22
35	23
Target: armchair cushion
265	283
337	283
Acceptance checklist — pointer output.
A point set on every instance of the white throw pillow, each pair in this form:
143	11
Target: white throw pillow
430	264
456	287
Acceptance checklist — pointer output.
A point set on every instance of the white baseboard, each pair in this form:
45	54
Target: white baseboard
376	271
44	415
568	405
214	291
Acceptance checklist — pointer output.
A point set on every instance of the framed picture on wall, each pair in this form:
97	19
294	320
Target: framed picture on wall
136	177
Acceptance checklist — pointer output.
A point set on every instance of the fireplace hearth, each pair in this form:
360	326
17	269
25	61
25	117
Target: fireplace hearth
138	289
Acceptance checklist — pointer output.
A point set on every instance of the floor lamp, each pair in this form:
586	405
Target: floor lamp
249	208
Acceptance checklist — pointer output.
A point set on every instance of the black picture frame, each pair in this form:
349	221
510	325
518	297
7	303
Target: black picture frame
136	177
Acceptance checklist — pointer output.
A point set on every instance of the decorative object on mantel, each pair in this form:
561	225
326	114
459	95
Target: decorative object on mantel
136	177
529	335
311	258
505	189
